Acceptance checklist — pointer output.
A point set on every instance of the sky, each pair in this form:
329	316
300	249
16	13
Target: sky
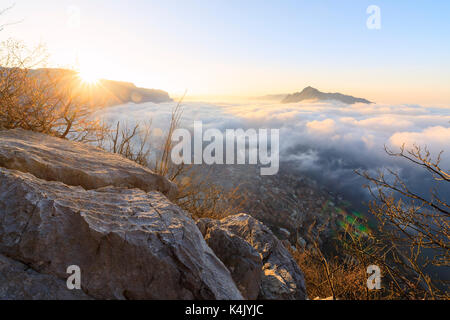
248	48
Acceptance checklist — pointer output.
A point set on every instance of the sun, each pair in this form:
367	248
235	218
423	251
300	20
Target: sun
88	77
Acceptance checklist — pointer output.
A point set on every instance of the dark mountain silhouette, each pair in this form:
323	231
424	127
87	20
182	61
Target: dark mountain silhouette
310	93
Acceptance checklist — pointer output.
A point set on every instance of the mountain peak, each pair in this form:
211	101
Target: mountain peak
309	89
310	93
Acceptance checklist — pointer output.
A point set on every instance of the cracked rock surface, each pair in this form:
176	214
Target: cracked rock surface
75	164
128	243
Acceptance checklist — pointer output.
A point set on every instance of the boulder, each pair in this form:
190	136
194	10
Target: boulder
282	278
238	255
19	282
128	243
75	164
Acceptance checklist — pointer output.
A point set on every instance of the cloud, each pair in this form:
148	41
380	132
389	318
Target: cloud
380	122
435	139
325	139
326	126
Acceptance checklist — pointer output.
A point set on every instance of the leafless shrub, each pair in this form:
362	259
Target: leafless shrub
413	229
42	100
412	234
132	143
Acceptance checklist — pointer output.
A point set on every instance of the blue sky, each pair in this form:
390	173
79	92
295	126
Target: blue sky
229	47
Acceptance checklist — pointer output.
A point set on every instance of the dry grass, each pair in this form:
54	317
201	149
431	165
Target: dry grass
348	279
204	198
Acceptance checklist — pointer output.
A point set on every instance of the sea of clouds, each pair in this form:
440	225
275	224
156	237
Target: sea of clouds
325	140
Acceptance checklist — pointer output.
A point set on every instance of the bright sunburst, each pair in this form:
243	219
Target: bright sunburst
88	77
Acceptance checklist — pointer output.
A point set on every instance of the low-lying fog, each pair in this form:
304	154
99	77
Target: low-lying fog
326	140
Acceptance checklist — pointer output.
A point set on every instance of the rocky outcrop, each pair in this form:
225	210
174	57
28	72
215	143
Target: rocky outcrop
243	261
20	282
75	164
128	243
281	278
64	203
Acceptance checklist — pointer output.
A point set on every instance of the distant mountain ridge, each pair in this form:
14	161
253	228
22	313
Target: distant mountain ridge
310	93
105	92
